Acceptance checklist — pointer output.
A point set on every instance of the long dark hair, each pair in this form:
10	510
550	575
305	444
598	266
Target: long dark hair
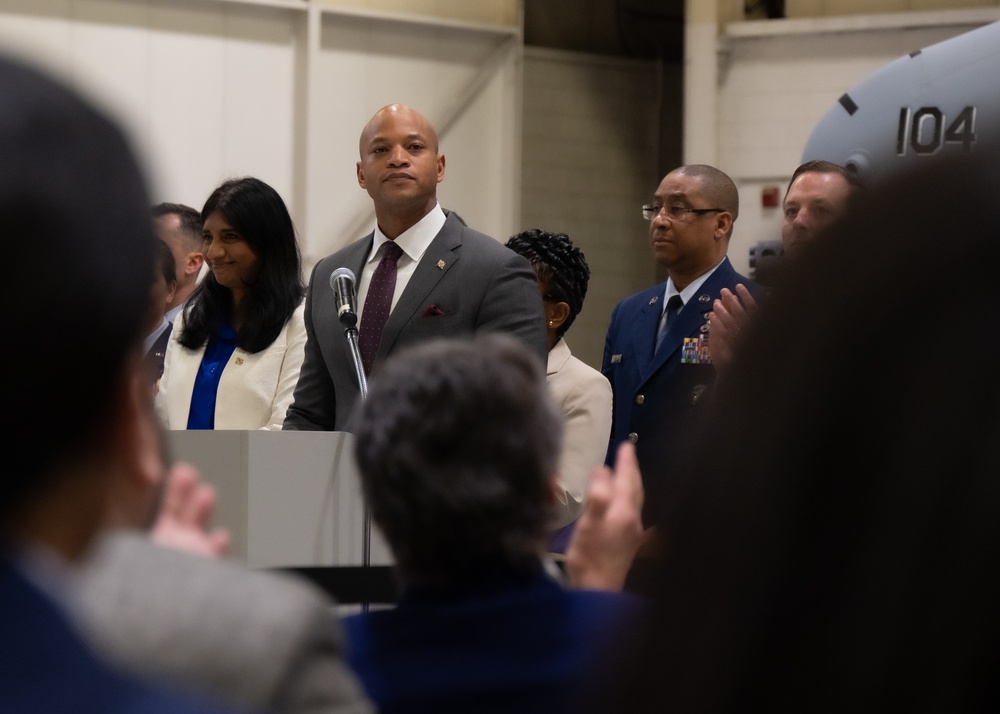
259	215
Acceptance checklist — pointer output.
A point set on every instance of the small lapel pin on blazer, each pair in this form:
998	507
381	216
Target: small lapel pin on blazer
703	298
440	265
616	359
239	360
652	300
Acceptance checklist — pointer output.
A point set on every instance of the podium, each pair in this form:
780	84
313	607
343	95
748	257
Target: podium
290	499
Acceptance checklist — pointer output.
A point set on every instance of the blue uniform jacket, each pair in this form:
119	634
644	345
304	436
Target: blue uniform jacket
656	395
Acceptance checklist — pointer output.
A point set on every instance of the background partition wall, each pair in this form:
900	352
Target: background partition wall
589	162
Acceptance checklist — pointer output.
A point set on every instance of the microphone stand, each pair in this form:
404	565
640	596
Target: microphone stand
359	370
349	320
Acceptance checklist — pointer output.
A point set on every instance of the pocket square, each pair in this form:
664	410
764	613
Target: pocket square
432	310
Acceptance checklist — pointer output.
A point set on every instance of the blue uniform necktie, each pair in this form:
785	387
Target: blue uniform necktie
674	305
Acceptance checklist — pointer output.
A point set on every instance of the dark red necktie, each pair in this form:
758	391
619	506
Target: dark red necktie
378	304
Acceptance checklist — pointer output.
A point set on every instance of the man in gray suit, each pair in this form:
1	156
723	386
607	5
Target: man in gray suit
449	280
263	641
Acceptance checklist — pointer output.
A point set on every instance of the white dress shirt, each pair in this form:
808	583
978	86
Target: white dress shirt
414	242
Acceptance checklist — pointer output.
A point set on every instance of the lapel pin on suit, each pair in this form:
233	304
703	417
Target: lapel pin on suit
704	298
239	360
652	300
440	265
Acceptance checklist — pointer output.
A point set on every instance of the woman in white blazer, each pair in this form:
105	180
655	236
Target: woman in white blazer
582	393
236	349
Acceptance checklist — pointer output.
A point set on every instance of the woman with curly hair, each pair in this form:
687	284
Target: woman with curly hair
236	350
582	393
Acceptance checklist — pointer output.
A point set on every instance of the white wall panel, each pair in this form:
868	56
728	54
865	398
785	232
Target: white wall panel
483	153
362	64
257	96
40	30
186	117
209	90
203	88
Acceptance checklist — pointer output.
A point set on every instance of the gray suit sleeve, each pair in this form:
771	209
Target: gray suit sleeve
513	304
316	678
260	640
314	404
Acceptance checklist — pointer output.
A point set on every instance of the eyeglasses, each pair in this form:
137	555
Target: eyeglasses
676	213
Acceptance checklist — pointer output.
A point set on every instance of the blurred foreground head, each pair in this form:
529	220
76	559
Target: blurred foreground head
78	244
835	546
457	445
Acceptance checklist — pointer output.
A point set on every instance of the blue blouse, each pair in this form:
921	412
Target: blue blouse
219	349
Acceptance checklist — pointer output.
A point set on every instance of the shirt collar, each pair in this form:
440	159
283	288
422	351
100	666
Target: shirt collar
693	287
415	239
152	337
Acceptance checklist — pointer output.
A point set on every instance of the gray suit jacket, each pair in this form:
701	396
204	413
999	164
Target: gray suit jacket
264	641
465	283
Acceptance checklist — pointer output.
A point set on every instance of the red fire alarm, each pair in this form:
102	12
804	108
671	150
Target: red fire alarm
770	197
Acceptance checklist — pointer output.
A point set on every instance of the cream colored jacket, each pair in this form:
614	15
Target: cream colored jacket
254	390
584	397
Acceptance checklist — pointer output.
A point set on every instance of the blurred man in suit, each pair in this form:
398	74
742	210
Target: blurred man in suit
158	327
421	273
262	640
70	189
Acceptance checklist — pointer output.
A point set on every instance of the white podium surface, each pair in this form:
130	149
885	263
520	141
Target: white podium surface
289	498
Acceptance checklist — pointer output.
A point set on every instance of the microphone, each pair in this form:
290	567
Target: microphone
342	283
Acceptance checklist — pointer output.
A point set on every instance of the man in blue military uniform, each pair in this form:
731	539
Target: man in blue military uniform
657	354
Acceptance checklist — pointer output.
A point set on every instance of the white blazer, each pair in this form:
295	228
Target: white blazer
254	389
584	397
